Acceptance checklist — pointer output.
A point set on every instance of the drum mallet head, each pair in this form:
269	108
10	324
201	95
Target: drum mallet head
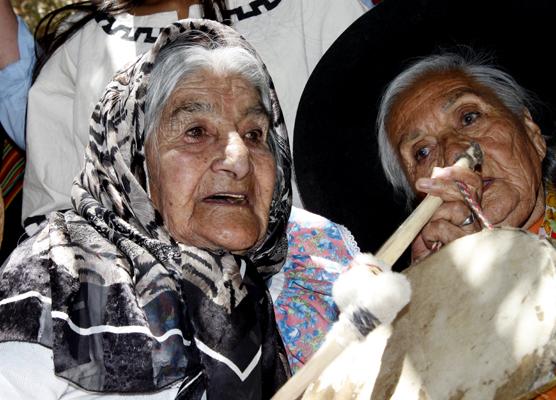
370	294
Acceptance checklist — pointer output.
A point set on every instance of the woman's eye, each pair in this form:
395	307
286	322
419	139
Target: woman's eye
194	133
470	117
422	153
254	135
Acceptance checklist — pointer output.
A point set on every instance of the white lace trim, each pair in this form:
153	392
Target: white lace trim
349	240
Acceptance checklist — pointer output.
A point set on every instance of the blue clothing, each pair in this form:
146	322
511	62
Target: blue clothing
369	3
15	80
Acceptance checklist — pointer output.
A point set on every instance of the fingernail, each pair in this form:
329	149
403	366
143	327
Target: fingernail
424	184
436	246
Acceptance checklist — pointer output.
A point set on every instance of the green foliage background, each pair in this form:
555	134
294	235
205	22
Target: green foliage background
33	10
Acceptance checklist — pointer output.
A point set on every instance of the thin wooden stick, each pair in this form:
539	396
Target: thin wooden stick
343	332
400	240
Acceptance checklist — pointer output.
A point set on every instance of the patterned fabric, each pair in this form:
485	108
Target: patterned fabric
12	165
547	228
109	25
319	250
236	12
124	307
11	173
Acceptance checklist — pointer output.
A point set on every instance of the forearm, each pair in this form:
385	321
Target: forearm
9	52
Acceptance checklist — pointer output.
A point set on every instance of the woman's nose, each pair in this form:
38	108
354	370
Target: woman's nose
235	157
453	148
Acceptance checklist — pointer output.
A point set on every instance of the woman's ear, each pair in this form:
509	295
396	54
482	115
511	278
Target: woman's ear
534	133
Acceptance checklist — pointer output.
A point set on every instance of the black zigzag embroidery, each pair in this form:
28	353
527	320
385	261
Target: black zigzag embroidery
106	22
255	5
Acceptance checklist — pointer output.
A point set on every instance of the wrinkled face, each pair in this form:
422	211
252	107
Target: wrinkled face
212	173
436	119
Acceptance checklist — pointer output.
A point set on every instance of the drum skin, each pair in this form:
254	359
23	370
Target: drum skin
480	325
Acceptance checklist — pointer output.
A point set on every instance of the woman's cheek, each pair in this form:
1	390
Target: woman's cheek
499	203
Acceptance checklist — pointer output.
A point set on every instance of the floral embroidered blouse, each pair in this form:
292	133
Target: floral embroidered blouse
319	250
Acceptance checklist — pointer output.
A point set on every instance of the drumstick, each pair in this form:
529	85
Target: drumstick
361	313
400	240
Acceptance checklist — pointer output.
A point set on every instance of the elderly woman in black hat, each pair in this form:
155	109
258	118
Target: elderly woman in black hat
155	284
336	149
430	114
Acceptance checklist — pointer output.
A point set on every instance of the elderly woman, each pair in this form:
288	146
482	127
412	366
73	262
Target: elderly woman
155	283
429	115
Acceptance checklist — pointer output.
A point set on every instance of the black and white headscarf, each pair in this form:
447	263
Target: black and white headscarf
124	307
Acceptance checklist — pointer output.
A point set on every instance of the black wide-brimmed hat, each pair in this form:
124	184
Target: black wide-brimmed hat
335	148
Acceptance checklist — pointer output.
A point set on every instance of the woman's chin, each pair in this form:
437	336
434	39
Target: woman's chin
236	229
237	236
234	242
213	227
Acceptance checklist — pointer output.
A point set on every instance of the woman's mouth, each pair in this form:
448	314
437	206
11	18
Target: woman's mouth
232	199
486	183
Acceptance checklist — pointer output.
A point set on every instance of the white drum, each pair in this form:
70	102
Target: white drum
481	324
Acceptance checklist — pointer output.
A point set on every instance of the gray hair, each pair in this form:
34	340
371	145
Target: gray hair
508	91
179	60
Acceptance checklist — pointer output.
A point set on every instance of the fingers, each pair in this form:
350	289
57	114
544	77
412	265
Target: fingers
452	219
443	183
455	212
443	231
450	222
419	250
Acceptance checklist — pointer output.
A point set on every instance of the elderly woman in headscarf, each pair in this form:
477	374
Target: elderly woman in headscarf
155	282
429	115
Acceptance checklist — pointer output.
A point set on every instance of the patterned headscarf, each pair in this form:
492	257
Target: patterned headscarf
126	308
